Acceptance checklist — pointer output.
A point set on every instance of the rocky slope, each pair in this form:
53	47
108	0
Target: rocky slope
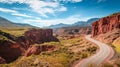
106	24
12	47
36	50
109	37
107	29
73	30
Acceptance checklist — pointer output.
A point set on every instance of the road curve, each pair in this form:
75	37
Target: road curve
105	53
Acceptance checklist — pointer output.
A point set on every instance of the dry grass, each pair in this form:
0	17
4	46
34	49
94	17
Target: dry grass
63	56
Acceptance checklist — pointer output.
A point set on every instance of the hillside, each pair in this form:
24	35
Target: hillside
105	25
4	23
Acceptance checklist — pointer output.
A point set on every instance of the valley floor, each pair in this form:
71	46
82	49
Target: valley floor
67	51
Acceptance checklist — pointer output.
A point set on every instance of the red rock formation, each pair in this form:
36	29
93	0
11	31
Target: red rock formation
106	24
109	37
24	42
39	35
36	36
36	50
73	30
9	51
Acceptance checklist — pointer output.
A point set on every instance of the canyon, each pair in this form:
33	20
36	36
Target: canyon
13	47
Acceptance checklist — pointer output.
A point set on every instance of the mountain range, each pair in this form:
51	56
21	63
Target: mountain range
4	23
9	24
76	24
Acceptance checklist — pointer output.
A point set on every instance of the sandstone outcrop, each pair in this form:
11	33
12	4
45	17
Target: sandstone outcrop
9	51
40	35
36	50
109	37
106	24
36	36
14	47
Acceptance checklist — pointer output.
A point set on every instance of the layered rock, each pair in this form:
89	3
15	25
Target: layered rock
14	47
9	51
36	36
109	37
36	50
40	35
106	24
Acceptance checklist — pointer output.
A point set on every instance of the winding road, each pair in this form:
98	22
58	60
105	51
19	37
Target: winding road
105	53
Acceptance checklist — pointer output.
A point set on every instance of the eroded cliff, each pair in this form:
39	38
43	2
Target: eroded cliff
12	47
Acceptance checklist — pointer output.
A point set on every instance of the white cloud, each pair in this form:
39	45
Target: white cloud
13	1
7	10
62	9
13	12
76	0
101	1
65	1
68	20
43	7
21	15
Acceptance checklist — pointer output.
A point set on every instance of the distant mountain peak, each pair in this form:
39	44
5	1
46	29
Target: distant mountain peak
76	24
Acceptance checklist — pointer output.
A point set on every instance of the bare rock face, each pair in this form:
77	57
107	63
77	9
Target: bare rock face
36	36
109	37
2	61
9	51
106	24
14	47
36	50
24	42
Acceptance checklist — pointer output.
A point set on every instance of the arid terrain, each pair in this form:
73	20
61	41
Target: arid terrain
91	43
32	53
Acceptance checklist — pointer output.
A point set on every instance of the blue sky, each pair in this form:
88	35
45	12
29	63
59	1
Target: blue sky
50	12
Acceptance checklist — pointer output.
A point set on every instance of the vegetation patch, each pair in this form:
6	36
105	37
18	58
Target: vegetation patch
63	56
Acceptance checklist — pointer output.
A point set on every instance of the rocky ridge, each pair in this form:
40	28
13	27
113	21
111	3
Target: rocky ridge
107	29
106	24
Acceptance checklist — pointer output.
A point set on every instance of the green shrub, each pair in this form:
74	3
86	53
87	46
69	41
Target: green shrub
84	55
91	49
